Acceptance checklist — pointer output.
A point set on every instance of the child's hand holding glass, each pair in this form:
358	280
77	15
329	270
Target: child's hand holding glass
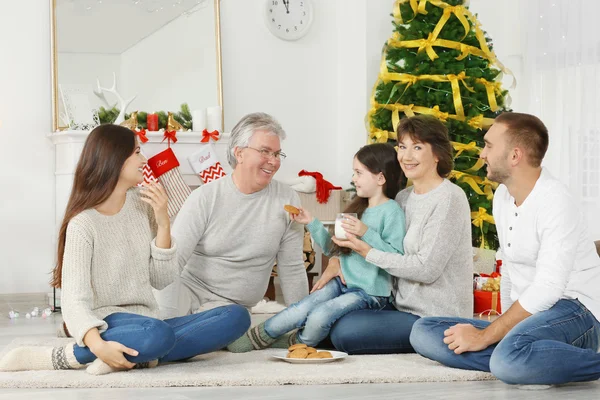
354	225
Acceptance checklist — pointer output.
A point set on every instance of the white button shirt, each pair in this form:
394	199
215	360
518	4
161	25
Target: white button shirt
545	249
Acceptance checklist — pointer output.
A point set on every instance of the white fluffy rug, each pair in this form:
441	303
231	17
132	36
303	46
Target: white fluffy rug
250	369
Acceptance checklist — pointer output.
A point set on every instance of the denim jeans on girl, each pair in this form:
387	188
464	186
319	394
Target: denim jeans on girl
316	313
555	346
173	339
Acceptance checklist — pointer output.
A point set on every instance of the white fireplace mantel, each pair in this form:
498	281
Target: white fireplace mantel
68	145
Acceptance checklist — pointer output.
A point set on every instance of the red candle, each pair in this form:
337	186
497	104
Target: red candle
152	122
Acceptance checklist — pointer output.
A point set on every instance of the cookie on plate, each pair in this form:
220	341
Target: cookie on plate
298	353
297	346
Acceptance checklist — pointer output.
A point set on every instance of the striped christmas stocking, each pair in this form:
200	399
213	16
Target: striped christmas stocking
148	174
165	167
206	164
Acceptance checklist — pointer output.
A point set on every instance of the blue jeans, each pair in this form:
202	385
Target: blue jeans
384	331
555	346
172	339
317	312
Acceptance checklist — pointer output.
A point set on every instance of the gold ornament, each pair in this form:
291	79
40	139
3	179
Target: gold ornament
132	122
173	125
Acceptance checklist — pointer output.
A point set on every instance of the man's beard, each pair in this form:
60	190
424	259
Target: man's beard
498	176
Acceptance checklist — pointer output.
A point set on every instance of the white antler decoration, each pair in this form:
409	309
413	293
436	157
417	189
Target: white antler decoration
100	94
122	103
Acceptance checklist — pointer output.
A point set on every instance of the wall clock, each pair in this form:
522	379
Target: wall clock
289	19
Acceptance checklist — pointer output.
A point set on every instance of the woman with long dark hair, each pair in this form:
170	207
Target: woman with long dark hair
114	246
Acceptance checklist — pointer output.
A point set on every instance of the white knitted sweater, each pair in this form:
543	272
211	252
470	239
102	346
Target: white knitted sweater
110	265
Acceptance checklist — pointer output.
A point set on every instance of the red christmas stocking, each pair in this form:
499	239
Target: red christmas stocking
165	167
206	164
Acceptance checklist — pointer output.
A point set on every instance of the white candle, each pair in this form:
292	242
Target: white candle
213	119
199	120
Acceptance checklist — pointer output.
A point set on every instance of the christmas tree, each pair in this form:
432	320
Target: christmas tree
440	62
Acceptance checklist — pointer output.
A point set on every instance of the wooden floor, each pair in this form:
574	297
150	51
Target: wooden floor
11	329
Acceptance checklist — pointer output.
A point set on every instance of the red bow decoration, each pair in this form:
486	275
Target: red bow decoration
170	136
324	187
492	275
206	136
142	135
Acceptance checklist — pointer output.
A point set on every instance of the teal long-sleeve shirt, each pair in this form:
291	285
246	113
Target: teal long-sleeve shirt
386	230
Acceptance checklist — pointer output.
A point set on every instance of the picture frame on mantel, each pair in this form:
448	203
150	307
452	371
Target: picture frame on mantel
77	108
83	50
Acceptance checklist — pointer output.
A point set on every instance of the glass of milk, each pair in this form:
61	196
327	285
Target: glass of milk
340	233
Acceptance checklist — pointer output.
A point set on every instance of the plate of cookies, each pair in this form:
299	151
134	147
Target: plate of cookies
303	354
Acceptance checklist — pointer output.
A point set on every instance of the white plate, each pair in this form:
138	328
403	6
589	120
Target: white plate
337	355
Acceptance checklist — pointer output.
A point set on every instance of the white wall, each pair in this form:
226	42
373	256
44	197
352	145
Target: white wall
318	87
27	161
296	82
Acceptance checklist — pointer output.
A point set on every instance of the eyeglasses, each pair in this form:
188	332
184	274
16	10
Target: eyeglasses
269	155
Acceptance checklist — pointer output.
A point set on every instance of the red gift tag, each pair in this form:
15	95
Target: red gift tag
163	162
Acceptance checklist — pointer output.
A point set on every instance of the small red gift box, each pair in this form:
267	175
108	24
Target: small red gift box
486	301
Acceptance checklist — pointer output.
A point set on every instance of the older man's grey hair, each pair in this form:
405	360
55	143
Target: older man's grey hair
243	131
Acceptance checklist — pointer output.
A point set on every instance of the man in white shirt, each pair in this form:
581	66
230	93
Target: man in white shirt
550	289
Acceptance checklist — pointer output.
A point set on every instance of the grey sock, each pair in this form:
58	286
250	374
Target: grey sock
287	340
254	339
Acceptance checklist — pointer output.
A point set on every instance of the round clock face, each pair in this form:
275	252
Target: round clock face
289	19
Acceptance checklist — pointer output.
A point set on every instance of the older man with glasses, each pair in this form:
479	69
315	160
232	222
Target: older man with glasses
230	232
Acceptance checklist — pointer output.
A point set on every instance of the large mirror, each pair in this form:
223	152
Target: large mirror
163	52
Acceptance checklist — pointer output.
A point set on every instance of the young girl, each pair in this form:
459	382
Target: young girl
114	246
377	177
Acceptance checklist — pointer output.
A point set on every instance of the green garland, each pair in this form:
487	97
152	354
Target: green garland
184	117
